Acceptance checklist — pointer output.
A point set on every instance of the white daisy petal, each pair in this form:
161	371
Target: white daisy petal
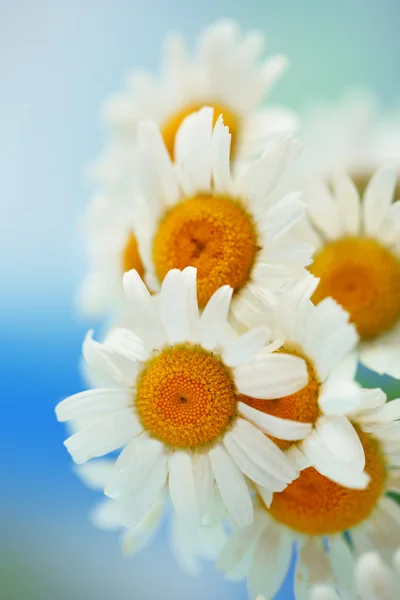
238	543
178	303
220	148
326	463
262	450
92	403
193	149
103	436
232	486
343	563
248	466
133	465
145	320
271	562
377	198
272	376
149	134
323	210
242	349
340	437
182	486
106	366
373	578
349	204
106	515
203	480
283	429
136	506
96	473
125	342
214	317
339	397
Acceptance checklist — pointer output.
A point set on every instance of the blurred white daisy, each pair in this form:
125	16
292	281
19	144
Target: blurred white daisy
317	515
227	72
112	250
352	135
373	580
189	543
358	260
325	339
172	400
232	229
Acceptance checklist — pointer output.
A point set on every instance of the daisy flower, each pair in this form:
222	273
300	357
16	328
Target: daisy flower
193	212
232	229
227	73
324	519
373	580
171	401
189	543
352	135
358	260
324	338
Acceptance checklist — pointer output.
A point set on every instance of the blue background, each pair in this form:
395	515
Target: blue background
58	62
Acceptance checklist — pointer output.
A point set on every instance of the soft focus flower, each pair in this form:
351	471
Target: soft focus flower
315	512
358	260
373	580
227	73
189	543
171	399
353	135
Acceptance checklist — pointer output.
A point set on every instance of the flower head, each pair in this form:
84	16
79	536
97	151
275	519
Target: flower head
358	260
172	402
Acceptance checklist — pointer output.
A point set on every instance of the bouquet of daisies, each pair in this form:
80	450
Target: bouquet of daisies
243	275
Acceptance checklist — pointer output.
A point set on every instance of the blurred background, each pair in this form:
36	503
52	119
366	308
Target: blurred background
58	61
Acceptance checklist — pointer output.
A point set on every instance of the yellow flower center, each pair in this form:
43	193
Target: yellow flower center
315	505
213	234
170	127
131	258
301	406
364	277
186	397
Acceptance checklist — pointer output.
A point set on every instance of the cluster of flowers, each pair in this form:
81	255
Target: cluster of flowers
245	284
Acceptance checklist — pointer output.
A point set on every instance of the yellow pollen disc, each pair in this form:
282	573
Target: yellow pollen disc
301	406
131	258
213	234
170	128
186	397
314	505
364	277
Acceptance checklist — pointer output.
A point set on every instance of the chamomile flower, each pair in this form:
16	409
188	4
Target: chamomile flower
194	212
353	135
373	580
189	543
325	339
172	402
232	229
314	514
227	72
358	260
